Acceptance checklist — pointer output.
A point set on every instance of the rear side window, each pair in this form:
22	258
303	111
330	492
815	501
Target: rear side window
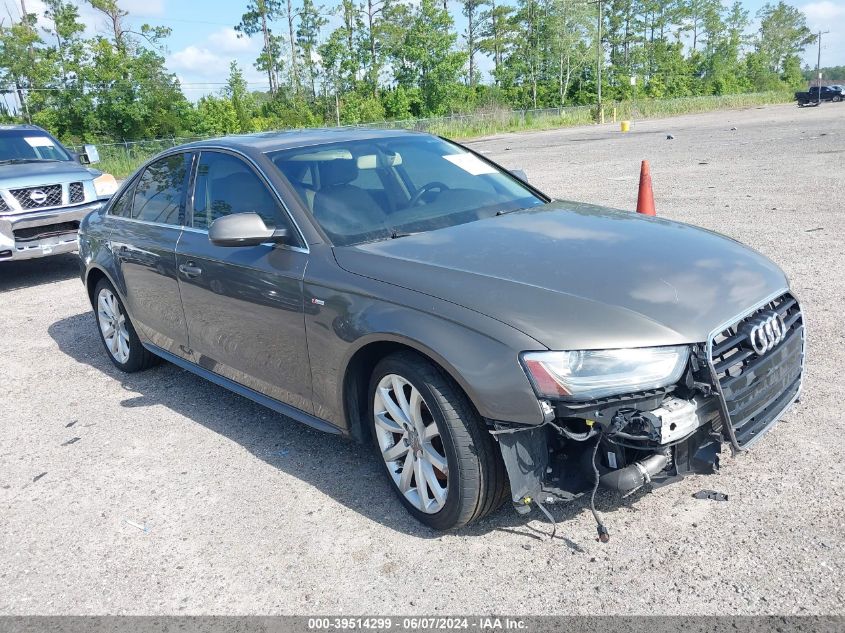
226	185
160	191
122	207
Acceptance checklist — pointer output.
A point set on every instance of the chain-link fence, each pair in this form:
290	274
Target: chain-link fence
122	158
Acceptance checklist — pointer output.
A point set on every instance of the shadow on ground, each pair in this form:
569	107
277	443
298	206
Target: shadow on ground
35	272
340	468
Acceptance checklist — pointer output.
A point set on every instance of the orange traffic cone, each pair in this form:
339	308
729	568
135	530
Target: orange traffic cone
645	199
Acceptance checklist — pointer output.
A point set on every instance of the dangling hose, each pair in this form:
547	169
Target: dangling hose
604	535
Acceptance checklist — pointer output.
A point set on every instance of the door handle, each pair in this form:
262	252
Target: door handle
190	270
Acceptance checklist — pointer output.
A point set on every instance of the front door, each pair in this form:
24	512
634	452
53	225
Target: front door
244	305
150	216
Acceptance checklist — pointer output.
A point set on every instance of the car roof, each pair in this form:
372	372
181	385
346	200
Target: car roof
22	126
273	141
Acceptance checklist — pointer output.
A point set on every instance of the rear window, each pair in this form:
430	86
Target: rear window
160	191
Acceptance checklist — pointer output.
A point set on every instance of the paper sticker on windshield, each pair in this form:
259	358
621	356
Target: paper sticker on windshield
471	163
39	141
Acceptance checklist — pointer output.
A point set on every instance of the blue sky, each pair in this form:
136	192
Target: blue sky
203	41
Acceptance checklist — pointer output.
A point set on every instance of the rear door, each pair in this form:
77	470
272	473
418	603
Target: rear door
147	226
244	304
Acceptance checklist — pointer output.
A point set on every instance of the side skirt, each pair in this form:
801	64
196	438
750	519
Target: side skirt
246	392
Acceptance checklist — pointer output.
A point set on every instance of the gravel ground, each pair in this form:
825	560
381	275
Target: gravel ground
159	493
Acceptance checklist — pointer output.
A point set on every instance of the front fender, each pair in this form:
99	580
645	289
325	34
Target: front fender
345	313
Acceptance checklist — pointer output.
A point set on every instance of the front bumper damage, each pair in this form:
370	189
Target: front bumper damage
554	461
40	233
728	394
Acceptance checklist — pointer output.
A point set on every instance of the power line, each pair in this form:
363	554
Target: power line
179	20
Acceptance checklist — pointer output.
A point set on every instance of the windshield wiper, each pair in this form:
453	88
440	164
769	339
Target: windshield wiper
17	161
397	234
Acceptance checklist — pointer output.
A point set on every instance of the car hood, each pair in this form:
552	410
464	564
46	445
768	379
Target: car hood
47	173
576	276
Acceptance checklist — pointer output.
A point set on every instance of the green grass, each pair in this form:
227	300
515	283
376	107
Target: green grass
643	109
121	164
122	160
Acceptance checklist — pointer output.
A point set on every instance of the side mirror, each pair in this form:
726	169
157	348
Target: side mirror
243	229
519	173
89	155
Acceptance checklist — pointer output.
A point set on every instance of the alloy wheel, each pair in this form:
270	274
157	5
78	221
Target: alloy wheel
112	323
410	443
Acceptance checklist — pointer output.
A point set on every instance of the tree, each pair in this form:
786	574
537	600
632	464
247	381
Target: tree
257	19
783	36
496	32
237	93
216	116
374	13
570	24
472	34
425	57
294	63
21	61
308	38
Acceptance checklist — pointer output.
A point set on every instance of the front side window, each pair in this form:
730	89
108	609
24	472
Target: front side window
225	185
160	191
360	191
30	146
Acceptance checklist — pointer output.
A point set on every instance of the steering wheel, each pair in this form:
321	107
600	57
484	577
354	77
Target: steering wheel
425	189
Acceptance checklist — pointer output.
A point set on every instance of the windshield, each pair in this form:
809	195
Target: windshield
360	191
29	145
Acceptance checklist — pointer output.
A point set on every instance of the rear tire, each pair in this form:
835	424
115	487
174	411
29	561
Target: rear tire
473	474
121	342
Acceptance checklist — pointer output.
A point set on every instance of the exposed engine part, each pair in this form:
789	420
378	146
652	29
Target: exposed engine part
636	475
672	421
678	419
634	425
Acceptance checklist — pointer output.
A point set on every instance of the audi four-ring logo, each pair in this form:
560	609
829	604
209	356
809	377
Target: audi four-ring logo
766	331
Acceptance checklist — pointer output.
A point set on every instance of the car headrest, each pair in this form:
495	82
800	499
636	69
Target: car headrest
338	171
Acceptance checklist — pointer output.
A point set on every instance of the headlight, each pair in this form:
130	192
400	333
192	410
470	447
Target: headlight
105	186
585	375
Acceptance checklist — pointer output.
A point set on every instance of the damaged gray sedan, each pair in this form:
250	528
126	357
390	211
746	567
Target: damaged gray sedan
490	342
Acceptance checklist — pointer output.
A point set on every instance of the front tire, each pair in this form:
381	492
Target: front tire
438	456
117	333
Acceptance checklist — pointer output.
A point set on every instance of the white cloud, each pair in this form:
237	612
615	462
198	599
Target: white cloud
818	13
87	15
227	40
196	59
826	15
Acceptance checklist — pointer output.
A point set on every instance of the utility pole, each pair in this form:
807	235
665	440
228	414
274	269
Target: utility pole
819	69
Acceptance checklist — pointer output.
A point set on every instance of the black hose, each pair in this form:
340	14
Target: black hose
635	475
604	535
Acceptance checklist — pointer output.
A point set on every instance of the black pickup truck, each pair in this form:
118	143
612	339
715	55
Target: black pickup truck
812	96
